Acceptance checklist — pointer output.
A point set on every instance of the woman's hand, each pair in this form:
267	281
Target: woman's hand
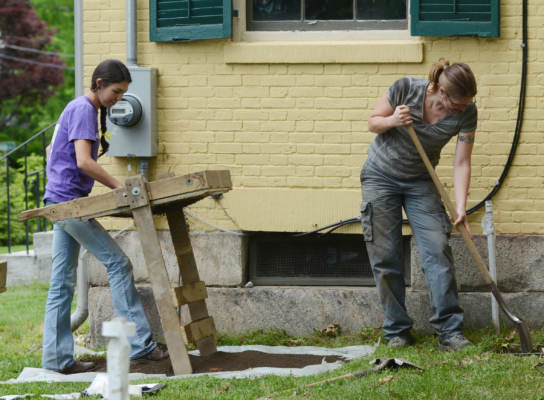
384	117
462	219
401	116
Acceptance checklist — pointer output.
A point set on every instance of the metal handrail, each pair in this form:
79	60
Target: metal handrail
40	180
27	141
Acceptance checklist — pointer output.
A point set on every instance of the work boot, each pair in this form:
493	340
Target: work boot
78	367
400	341
157	354
453	343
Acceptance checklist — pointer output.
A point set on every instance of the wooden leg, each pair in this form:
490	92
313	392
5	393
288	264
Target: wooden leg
189	272
162	292
3	275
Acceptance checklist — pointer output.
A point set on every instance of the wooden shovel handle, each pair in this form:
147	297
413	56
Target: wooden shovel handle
521	326
449	205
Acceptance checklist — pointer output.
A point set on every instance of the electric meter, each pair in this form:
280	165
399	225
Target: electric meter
132	121
126	112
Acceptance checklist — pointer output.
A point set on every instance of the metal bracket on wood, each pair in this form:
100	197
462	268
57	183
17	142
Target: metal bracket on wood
137	191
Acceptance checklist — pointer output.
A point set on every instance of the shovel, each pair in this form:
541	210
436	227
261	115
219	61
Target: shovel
521	327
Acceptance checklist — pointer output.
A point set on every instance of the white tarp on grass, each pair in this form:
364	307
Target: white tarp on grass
348	353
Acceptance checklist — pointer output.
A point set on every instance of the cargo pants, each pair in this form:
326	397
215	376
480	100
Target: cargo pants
381	212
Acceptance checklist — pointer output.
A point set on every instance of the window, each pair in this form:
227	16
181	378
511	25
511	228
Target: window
337	259
321	15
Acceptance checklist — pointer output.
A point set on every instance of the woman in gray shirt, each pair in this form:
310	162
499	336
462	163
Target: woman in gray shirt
394	177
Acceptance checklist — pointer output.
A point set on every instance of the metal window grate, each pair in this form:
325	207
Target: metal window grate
282	259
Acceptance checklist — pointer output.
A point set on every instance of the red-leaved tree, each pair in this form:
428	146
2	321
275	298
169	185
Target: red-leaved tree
29	75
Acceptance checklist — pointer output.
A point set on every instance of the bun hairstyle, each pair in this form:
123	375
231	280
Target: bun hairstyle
460	79
110	71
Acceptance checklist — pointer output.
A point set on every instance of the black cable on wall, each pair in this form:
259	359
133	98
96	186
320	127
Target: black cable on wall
521	108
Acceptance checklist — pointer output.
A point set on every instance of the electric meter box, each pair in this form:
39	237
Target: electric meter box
132	121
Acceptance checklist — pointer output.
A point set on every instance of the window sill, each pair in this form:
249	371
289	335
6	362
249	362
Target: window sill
324	52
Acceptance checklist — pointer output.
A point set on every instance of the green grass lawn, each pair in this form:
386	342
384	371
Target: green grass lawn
484	371
15	248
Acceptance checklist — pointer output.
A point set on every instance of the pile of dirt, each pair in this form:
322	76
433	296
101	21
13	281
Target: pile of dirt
222	361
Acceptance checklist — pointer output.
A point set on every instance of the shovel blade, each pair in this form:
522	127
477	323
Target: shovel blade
524	337
521	326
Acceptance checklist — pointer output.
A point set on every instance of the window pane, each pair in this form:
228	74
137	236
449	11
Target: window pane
276	10
329	9
381	9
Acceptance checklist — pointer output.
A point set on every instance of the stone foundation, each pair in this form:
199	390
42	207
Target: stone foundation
222	262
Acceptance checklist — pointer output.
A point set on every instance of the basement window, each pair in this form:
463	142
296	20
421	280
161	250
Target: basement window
324	260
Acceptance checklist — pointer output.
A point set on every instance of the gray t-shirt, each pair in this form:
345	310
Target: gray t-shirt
393	151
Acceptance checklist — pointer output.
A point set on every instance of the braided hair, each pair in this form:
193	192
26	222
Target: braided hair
104	144
110	71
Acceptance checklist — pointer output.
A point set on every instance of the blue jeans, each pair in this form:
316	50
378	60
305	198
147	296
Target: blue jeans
381	212
68	235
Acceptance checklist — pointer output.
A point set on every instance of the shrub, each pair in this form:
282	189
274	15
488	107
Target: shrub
19	200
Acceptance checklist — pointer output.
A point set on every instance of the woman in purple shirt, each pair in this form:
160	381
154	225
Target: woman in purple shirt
72	169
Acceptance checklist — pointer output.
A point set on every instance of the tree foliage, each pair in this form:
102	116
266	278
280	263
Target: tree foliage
30	71
48	17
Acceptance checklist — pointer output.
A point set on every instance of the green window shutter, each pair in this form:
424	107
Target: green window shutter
173	20
454	18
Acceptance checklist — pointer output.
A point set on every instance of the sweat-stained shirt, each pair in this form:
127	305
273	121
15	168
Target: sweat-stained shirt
393	151
65	181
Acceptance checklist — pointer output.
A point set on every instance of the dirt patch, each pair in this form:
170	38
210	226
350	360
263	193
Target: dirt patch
222	361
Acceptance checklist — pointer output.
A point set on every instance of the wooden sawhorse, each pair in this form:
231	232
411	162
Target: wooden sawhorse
141	199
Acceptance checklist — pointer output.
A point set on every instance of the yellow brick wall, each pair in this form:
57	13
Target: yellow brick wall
294	135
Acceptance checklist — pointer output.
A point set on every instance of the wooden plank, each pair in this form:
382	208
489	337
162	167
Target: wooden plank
189	272
188	183
114	200
186	199
201	329
218	179
189	188
3	275
189	293
143	219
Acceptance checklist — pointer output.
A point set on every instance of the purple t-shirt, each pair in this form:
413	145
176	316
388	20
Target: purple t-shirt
65	181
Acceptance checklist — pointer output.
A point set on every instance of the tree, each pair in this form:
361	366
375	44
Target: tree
29	73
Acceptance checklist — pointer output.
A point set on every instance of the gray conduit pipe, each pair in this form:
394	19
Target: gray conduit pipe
132	60
82	309
489	231
78	47
132	42
82	302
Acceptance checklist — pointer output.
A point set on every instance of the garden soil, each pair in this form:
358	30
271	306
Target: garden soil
222	361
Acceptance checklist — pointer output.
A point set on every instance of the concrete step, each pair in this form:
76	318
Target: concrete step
43	242
22	267
35	265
